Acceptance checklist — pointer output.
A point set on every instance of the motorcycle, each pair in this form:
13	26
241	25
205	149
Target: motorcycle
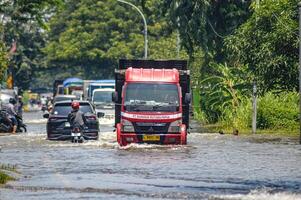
21	127
7	126
44	107
77	135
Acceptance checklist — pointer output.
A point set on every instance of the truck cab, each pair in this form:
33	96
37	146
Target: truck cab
102	101
153	103
99	84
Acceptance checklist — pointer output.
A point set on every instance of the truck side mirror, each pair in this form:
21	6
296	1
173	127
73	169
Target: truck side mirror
188	98
114	97
46	115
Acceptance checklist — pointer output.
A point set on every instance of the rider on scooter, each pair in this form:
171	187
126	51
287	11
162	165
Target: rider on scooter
76	117
11	112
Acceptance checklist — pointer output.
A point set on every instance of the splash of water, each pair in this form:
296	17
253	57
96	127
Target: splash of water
260	195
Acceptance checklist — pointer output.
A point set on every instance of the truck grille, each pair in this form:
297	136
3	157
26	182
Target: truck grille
159	128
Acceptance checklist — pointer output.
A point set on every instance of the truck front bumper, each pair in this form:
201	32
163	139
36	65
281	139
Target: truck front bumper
170	138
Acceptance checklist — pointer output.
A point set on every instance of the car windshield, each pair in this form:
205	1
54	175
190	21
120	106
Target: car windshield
151	97
102	97
65	108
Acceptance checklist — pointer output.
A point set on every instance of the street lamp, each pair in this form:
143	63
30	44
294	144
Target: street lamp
145	26
299	8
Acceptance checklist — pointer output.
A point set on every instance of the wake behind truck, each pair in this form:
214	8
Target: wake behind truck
152	100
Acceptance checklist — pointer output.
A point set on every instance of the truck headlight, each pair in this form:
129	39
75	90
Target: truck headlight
174	127
127	126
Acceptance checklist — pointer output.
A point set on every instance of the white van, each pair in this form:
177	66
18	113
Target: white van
102	100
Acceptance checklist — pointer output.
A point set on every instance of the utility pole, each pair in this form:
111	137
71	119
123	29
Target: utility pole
178	44
254	116
254	99
145	26
299	7
178	35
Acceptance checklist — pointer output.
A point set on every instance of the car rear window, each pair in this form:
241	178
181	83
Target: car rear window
65	108
65	98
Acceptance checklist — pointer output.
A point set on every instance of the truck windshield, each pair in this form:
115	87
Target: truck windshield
151	97
102	97
99	86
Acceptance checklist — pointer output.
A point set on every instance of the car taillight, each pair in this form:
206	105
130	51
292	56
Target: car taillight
91	117
53	119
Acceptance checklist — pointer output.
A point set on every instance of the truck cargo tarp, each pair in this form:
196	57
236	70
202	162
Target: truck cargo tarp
73	82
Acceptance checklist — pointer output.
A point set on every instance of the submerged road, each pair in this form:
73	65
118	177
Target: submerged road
211	166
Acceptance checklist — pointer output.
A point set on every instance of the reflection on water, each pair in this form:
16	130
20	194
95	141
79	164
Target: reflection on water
211	166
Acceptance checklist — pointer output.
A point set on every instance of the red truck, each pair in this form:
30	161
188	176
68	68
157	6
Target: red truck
152	100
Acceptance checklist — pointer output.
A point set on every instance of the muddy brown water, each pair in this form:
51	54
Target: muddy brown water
211	166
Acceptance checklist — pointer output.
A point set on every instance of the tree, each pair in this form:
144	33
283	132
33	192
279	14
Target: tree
268	44
205	23
22	21
92	35
3	60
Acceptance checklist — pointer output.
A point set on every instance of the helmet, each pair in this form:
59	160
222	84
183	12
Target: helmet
75	105
12	101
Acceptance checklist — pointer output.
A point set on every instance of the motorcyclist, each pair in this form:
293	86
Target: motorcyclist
76	117
11	112
20	106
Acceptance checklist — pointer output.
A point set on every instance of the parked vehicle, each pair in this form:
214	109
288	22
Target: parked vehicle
102	101
152	101
6	124
58	127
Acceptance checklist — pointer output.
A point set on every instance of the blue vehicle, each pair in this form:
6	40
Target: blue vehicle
72	84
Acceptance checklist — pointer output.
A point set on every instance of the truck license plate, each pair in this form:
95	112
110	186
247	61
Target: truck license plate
151	137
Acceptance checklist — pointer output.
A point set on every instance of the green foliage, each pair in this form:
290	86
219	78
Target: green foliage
23	11
93	35
274	111
25	97
3	60
28	58
200	116
205	23
268	44
22	21
240	119
4	178
224	90
278	111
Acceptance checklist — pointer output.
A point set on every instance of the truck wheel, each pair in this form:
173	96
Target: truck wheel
183	135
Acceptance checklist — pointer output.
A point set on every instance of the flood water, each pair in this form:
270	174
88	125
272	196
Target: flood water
211	166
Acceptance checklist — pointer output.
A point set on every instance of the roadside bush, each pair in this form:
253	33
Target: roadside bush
274	111
278	111
200	116
4	178
240	118
25	97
